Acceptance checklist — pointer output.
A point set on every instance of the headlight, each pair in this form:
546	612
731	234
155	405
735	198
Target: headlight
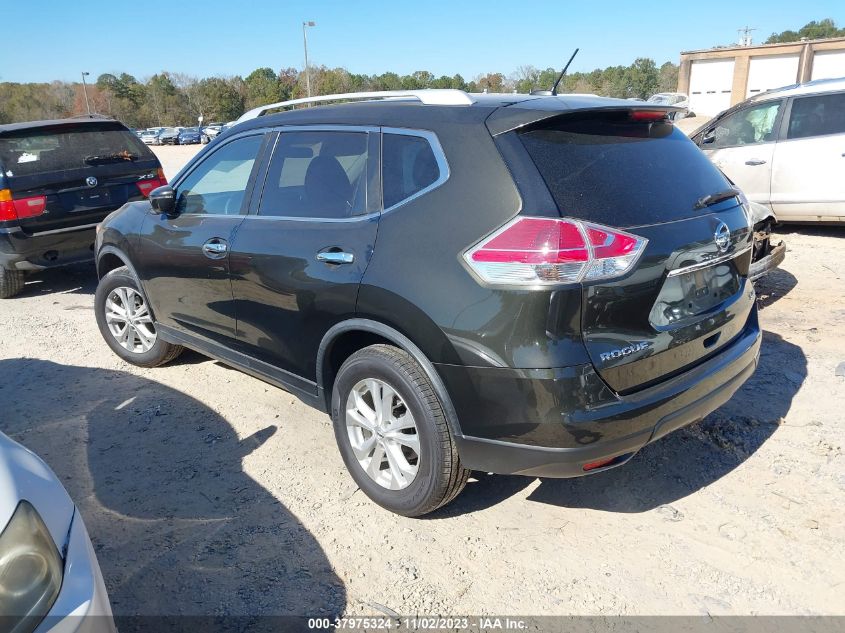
30	571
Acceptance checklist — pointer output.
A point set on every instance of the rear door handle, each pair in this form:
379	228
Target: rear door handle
215	248
335	257
755	161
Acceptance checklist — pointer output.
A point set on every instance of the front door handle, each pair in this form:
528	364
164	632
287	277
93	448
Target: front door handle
335	257
215	248
753	162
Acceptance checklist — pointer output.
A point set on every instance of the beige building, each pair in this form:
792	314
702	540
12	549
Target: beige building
718	78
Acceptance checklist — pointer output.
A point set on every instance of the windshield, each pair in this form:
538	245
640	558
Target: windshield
68	147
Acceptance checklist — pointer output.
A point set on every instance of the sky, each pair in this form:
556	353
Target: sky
57	39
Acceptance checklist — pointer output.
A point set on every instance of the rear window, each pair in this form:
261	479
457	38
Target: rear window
409	166
607	169
28	152
817	116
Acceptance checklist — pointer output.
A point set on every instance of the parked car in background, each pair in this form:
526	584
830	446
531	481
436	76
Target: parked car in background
785	149
212	130
676	99
170	136
590	297
227	127
58	179
50	579
151	136
191	136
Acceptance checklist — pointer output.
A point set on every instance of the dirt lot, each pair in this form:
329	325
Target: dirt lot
209	492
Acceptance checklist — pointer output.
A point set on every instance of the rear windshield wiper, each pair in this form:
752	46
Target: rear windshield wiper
714	198
99	159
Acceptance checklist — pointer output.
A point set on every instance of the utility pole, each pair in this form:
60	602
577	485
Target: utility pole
85	92
305	25
745	36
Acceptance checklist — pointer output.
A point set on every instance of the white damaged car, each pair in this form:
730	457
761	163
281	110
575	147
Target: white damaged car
49	576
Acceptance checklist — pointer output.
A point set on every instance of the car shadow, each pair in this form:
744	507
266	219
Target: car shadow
773	286
178	526
75	278
677	465
818	230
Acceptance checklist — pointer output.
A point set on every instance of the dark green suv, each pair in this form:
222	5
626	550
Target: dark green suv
538	285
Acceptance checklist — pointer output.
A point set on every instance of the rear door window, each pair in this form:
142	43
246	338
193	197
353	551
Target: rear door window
409	167
61	148
817	116
608	169
317	174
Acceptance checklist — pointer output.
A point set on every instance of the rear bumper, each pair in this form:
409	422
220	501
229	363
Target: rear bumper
21	251
769	262
553	425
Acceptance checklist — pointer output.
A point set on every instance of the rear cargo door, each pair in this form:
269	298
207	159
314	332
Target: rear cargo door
76	172
688	296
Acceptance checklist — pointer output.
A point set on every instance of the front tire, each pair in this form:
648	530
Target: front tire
393	434
11	282
126	321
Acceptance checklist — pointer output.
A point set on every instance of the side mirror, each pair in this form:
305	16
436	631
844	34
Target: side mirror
163	200
708	137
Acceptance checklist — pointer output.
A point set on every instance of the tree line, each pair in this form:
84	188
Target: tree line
170	98
815	30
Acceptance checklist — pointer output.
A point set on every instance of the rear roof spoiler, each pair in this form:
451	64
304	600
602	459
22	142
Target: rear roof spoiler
526	113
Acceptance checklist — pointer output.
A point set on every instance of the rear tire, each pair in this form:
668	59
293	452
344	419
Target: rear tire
404	457
11	282
126	321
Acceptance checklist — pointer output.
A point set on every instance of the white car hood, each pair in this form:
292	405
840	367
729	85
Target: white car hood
24	476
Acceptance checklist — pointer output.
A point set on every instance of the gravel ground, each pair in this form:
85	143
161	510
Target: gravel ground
206	491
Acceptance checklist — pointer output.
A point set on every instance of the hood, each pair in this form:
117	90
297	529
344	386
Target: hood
24	476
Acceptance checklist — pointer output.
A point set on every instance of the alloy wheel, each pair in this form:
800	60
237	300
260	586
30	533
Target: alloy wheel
383	434
129	320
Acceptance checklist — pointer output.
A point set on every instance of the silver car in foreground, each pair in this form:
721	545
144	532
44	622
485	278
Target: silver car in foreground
49	576
785	149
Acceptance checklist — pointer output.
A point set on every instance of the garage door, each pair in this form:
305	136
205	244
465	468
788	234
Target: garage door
828	64
773	71
710	85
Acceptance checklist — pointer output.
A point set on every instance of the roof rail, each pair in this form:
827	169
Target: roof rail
445	96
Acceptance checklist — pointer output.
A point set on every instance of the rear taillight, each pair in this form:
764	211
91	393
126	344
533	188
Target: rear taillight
146	185
529	250
20	208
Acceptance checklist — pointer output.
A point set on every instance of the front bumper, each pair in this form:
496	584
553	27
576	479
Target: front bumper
82	603
769	262
552	423
23	251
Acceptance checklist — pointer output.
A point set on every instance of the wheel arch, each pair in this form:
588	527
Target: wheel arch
110	257
351	335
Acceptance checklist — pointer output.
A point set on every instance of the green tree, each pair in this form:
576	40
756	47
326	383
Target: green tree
262	87
814	30
220	99
667	80
643	78
387	81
